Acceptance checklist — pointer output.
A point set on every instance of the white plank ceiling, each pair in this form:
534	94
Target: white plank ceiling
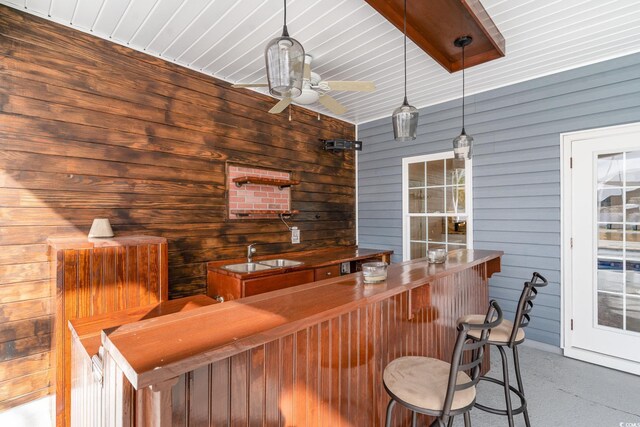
351	41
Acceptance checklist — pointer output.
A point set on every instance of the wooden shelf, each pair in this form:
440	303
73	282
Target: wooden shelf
281	183
249	212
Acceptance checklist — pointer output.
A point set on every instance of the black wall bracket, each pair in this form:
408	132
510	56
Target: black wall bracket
341	145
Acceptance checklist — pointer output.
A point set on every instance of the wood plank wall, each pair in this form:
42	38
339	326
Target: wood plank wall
92	129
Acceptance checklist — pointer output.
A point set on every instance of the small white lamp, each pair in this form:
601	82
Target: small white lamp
101	228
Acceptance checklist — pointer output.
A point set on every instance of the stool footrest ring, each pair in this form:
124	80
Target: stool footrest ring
496	411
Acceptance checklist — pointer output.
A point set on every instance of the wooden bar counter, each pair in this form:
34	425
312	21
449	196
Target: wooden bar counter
308	355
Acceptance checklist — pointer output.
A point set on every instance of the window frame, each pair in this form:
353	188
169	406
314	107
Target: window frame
406	231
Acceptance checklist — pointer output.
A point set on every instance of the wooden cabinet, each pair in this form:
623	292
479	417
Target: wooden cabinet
275	282
100	276
227	288
326	272
316	265
89	399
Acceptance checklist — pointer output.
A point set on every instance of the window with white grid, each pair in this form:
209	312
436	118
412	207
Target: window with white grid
436	204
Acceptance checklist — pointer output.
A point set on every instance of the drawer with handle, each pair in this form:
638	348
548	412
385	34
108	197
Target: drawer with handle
327	272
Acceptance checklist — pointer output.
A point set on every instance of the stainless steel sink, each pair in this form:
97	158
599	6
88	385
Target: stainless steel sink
280	263
246	267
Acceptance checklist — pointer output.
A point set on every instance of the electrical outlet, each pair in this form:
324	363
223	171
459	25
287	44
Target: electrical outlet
345	268
295	235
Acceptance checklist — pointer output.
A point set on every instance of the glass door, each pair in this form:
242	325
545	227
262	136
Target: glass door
605	257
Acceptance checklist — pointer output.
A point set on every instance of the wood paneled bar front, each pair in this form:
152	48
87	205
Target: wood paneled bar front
308	355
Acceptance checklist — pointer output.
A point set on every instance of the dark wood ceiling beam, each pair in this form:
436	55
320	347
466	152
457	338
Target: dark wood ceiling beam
433	25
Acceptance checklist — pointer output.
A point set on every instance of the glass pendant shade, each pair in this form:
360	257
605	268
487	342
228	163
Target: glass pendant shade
285	66
405	122
405	117
462	145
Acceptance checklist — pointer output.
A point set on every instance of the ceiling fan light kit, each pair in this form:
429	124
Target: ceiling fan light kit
284	57
463	143
405	117
314	89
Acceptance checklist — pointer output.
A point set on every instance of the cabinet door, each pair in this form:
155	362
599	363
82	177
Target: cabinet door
327	272
275	282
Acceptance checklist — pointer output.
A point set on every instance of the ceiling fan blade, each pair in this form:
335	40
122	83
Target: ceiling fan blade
332	105
307	71
280	106
352	86
250	85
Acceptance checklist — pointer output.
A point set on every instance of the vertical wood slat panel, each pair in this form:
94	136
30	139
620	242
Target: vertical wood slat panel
92	281
219	398
330	374
257	387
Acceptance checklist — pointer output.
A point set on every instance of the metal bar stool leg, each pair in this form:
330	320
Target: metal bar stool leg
450	423
516	365
414	419
467	419
507	392
392	403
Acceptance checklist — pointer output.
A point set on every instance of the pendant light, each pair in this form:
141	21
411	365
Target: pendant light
405	117
285	64
462	143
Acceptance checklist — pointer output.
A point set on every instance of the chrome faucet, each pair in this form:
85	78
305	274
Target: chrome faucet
250	251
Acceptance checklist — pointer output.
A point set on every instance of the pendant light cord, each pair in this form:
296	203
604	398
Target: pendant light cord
405	52
462	88
285	32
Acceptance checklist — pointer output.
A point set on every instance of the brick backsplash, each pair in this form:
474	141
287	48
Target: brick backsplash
257	197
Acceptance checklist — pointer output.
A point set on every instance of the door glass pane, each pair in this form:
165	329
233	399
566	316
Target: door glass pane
632	243
416	174
633	278
418	228
416	201
610	170
610	310
611	280
618	234
633	314
435	173
435	200
632	206
610	241
633	168
610	205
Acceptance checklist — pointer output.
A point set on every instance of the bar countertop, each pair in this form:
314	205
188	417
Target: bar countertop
155	350
309	259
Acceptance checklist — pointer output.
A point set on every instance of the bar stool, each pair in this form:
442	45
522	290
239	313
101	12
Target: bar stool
437	388
510	334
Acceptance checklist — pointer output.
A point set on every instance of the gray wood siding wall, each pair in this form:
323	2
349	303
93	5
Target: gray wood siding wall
516	171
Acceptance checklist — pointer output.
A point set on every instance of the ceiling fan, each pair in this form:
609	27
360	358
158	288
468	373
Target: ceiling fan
314	89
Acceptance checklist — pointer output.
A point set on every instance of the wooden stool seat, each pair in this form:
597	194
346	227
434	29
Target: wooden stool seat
499	335
433	387
510	335
423	381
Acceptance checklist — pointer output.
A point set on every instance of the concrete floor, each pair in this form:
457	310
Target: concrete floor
562	392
